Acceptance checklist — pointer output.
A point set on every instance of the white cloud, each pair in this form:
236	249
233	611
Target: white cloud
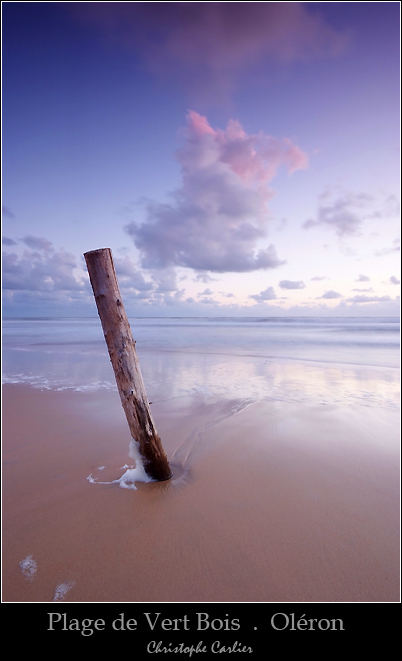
38	243
8	242
331	294
46	271
203	276
7	213
395	247
292	284
129	275
346	213
266	295
368	299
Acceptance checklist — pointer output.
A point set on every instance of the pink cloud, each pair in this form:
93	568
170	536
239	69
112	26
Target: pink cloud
208	46
218	216
199	124
253	157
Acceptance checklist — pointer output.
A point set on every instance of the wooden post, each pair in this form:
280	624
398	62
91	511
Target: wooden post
125	363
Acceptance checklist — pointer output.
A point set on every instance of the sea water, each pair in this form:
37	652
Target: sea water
351	360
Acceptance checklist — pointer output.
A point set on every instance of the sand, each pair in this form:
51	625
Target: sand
270	501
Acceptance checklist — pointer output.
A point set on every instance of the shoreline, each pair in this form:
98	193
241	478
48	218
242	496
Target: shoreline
271	501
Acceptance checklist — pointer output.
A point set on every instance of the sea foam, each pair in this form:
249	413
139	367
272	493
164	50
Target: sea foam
61	590
29	567
132	473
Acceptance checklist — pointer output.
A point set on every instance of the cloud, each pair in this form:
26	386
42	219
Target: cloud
331	294
363	290
390	208
40	272
209	301
363	278
346	213
203	277
165	279
7	213
206	292
368	299
208	47
129	276
8	242
266	295
396	247
37	243
219	214
319	277
292	284
394	280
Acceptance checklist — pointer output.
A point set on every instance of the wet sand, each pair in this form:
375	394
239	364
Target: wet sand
270	501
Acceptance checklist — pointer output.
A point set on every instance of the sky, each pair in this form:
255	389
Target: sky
238	158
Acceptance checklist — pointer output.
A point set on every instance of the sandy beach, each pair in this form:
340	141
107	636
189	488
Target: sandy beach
270	501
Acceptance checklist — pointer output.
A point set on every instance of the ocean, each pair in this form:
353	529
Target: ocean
346	360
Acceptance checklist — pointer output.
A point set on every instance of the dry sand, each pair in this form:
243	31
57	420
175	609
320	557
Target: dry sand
270	501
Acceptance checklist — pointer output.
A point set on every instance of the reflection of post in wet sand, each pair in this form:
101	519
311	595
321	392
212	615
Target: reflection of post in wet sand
197	442
200	440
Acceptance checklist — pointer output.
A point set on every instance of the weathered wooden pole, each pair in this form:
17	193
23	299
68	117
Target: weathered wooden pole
123	356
